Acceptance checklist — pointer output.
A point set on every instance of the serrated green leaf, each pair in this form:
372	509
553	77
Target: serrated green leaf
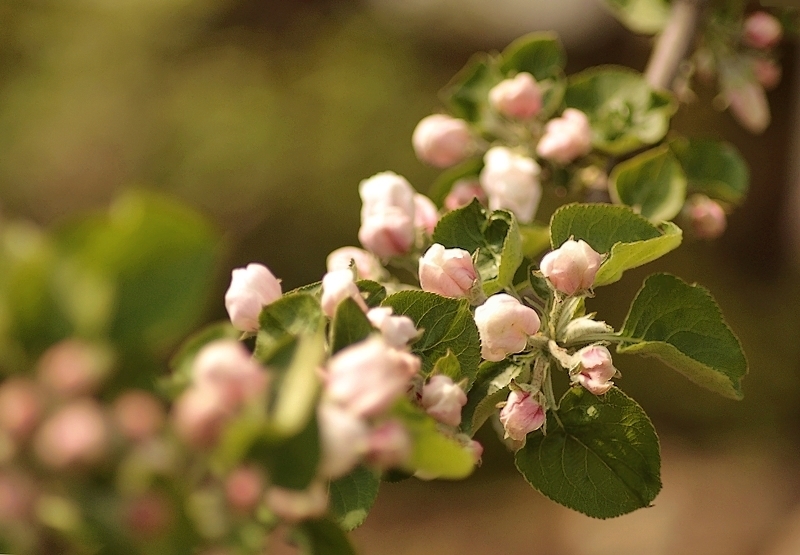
322	537
350	325
540	54
602	459
652	183
490	388
469	170
448	326
628	240
467	94
682	325
372	292
640	16
448	365
625	113
713	168
291	315
352	496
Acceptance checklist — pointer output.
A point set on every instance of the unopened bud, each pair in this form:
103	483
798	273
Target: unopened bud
343	439
707	217
251	289
748	104
566	138
17	497
767	72
149	515
244	488
76	435
443	399
504	325
226	365
521	415
519	98
20	407
139	415
426	215
762	30
572	267
387	215
338	286
511	182
72	368
595	369
397	331
447	272
199	415
463	192
367	266
442	141
389	445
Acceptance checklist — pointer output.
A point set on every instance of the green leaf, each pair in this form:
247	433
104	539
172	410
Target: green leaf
448	327
372	292
291	315
540	54
535	239
490	388
322	537
350	325
652	183
298	387
640	16
469	170
625	113
292	462
713	168
628	239
352	497
682	325
448	365
467	94
494	235
602	459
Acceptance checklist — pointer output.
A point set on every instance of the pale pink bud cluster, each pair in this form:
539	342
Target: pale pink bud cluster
397	331
443	399
595	369
442	141
762	30
297	505
447	272
336	287
566	138
72	367
251	289
572	267
463	192
387	215
707	217
504	325
76	435
426	215
518	98
521	415
511	182
366	264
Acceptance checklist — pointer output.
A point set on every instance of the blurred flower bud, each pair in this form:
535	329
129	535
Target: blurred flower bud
17	497
20	407
149	515
75	435
748	104
251	289
762	30
566	138
447	272
707	217
295	505
442	141
226	366
504	325
397	331
595	369
244	488
477	451
343	438
336	287
367	377
72	368
518	98
426	215
389	445
521	415
511	182
767	72
199	415
443	399
387	215
572	267
367	266
463	192
138	414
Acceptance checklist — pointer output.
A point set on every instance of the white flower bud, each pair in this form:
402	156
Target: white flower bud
297	505
511	182
336	287
72	367
426	215
397	331
521	415
595	369
343	438
443	399
389	445
76	435
367	266
463	192
762	30
251	289
199	415
572	267
447	272
387	215
707	217
519	98
566	138
504	325
442	141
226	366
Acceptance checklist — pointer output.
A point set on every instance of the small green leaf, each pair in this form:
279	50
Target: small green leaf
652	183
350	325
372	292
448	365
535	239
682	325
352	497
640	16
490	388
713	168
469	170
540	54
299	385
291	315
600	456
322	537
448	327
467	94
292	462
624	256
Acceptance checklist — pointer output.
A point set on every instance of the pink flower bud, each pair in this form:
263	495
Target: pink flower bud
566	138
521	415
243	488
572	267
387	215
426	215
343	438
226	366
477	451
367	377
296	505
442	141
20	407
511	182
389	445
72	368
762	30
336	287
367	266
397	331
518	98
251	289
138	414
199	415
443	399
748	104
447	272
707	217
463	192
595	369
149	515
767	72
75	435
504	325
17	497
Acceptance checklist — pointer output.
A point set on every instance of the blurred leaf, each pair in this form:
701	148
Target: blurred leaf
640	16
682	325
535	239
713	168
467	94
299	386
291	315
349	325
490	388
292	463
600	455
322	537
352	497
540	54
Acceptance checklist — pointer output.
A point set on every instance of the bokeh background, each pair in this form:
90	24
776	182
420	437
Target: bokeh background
264	115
